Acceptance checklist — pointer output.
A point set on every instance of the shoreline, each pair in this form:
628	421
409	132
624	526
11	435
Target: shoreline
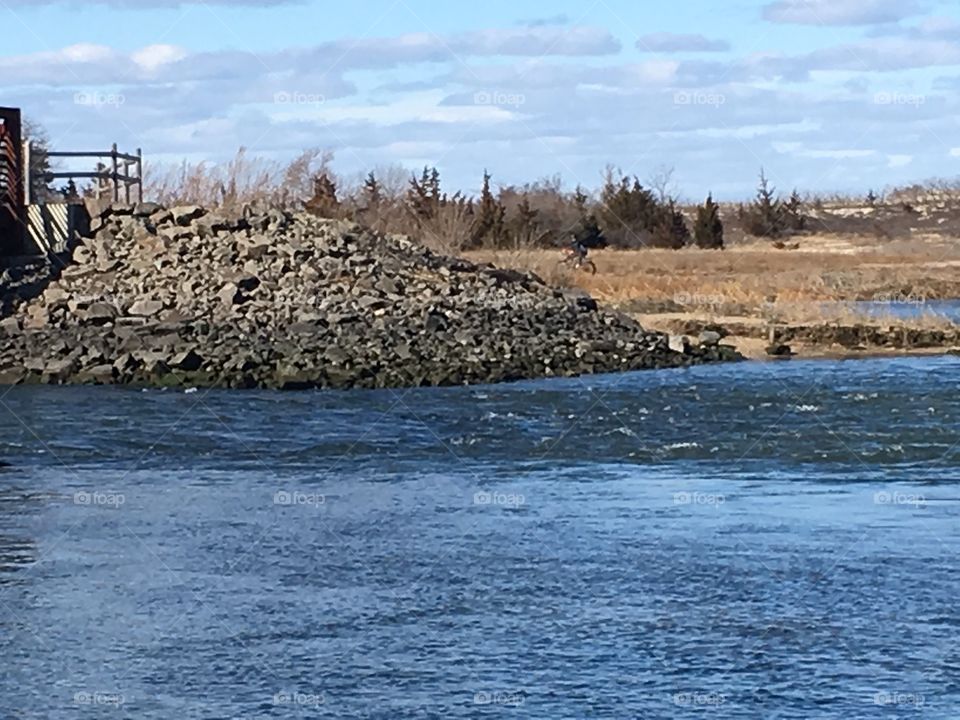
187	297
821	340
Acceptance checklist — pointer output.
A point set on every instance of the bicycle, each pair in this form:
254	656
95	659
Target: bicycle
571	258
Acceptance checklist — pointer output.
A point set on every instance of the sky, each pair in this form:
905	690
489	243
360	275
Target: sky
825	95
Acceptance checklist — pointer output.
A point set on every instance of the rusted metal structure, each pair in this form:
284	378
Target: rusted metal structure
13	209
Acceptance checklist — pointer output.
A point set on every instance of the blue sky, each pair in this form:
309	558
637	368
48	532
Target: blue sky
825	94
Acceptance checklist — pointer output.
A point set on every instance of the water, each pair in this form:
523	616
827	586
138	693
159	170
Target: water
774	541
905	308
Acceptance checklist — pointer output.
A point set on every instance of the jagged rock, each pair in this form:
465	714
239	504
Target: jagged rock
146	209
230	295
145	308
99	374
10	325
99	312
185	214
679	344
281	299
188	361
710	338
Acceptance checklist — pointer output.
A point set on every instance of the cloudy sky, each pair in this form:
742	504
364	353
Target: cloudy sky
826	94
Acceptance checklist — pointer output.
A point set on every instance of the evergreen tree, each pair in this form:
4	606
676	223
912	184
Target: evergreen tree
670	230
766	215
424	195
631	214
490	225
580	200
41	189
708	229
588	233
525	226
793	212
372	192
324	202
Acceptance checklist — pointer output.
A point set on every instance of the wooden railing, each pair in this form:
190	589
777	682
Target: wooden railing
124	170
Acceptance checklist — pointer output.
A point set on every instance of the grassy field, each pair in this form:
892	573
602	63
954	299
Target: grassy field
756	286
752	275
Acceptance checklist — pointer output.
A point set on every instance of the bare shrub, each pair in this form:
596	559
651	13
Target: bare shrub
243	179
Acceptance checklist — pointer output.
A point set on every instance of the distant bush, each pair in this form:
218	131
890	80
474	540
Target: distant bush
708	229
632	216
769	216
622	213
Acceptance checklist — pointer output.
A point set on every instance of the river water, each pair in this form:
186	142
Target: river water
751	541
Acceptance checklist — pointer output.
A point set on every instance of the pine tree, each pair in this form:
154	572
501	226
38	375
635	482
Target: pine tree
588	233
324	202
708	230
491	226
580	199
372	192
40	165
424	195
630	213
765	218
671	229
793	212
525	225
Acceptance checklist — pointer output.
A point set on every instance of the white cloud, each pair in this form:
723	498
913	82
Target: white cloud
840	12
836	154
677	42
570	104
154	56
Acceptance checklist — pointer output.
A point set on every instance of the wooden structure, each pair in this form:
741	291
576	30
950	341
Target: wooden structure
124	170
49	224
12	182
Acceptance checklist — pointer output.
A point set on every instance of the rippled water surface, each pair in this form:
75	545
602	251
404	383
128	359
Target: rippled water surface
752	541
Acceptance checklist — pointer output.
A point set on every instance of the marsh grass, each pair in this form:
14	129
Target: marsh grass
827	268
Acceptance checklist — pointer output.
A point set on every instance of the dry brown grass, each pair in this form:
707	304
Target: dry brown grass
244	179
826	268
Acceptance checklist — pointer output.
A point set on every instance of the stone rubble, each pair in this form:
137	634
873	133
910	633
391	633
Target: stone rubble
268	298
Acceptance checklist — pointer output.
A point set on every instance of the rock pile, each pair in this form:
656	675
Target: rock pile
183	296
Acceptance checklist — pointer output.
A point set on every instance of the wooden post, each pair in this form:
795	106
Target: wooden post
116	183
140	173
27	173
